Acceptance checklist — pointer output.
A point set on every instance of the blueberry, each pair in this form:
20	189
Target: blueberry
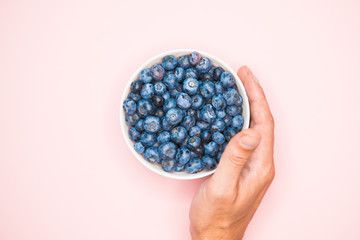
220	113
158	101
184	142
147	91
239	101
208	114
194	166
156	144
190	86
169	62
147	139
191	112
204	65
183	101
195	58
184	61
219	89
211	71
206	77
167	150
134	96
231	96
139	148
209	163
218	102
152	124
174	116
171	81
145	108
157	72
203	125
134	134
218	137
194	142
152	155
178	134
211	149
206	136
218	125
179	74
237	122
174	93
234	110
227	120
131	119
218	156
193	155
129	106
197	101
159	112
165	125
169	165
227	80
191	72
182	156
188	122
145	76
140	125
200	150
229	133
207	89
195	131
163	137
217	73
198	115
166	96
170	103
159	88
136	86
179	168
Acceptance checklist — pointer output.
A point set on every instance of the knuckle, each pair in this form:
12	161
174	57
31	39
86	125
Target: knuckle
268	174
223	196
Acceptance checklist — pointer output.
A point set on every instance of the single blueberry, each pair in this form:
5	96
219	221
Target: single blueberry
152	124
206	77
184	61
209	163
169	62
184	142
159	112
166	96
218	137
194	142
179	168
183	101
174	93
208	114
217	73
227	120
227	80
212	69
207	89
136	86
174	116
171	81
170	103
194	166
218	102
165	125
182	156
218	125
197	101
145	76
147	139
211	149
203	125
195	131
158	101
219	89
237	122
129	106
157	72
178	134
167	150
206	136
200	150
159	88
234	110
152	155
169	165
139	148
163	137
179	74
229	133
195	58
156	144
193	155
190	86
147	91
198	115
140	125
191	112
134	134
188	122
231	96
220	113
145	108
204	65
131	119
191	72
134	96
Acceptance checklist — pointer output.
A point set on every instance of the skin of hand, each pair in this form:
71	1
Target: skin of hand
226	202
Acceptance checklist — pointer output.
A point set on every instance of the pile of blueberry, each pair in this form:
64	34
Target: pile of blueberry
183	112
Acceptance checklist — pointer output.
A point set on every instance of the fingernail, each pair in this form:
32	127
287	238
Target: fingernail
248	142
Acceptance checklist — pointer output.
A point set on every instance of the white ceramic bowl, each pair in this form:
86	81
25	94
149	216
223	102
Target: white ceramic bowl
157	59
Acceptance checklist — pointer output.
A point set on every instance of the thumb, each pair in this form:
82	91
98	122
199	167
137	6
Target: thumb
235	156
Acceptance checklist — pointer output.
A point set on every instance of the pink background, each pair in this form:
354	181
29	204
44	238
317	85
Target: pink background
65	171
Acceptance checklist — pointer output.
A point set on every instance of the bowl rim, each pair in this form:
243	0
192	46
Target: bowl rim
157	59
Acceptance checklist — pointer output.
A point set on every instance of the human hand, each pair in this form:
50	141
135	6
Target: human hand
226	202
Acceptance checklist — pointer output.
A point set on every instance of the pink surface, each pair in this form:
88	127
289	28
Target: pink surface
65	171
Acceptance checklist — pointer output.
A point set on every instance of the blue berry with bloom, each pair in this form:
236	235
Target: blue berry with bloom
129	106
145	108
159	112
134	96
197	101
174	116
170	103
219	138
209	163
220	113
211	149
237	122
218	125
219	89
207	89
229	133
169	62
234	110
194	166
195	58
166	96
169	165
204	65
217	73
203	125
178	134
179	74
184	61
165	125
152	124
136	86
194	142
167	150
147	139
208	114
139	148
183	100
159	88
227	80
191	72
152	155
171	81
191	86
131	119
183	156
157	100
188	122
139	125
206	136
157	72
218	102
231	96
195	131
147	91
145	76
179	168
134	134
163	137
